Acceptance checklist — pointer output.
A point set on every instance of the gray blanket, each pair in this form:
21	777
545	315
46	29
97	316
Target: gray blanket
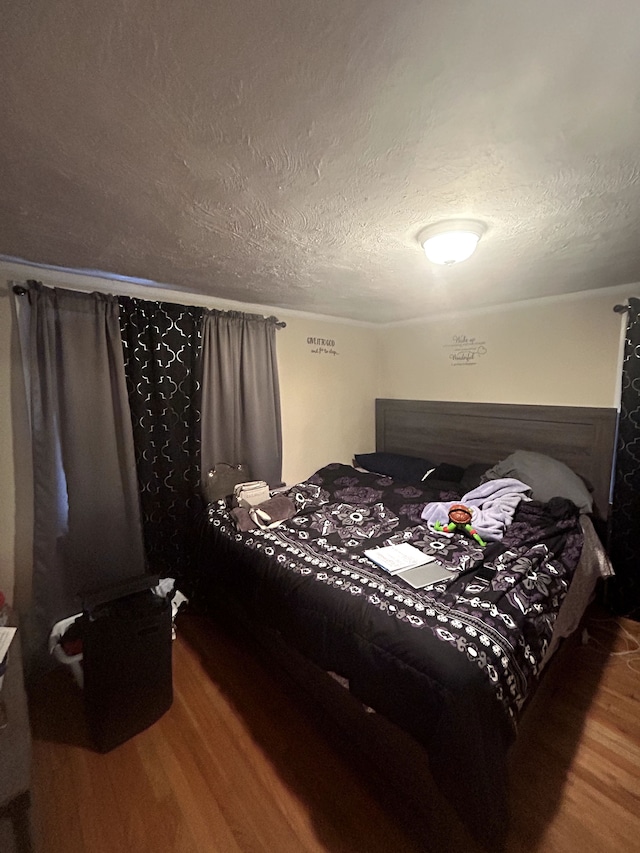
492	507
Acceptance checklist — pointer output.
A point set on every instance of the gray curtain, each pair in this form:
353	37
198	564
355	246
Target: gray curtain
86	507
241	394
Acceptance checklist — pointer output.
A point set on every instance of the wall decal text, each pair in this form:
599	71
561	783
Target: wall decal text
465	351
322	346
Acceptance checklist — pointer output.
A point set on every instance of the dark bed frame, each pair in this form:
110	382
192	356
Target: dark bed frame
462	433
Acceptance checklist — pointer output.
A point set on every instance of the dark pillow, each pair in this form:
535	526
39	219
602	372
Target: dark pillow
473	476
409	469
434	487
447	472
547	477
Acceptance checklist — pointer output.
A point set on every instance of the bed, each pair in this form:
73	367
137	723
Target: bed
454	664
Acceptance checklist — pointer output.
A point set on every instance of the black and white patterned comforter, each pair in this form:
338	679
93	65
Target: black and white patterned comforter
452	664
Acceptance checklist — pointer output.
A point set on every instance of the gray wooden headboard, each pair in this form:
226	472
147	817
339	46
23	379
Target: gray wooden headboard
462	433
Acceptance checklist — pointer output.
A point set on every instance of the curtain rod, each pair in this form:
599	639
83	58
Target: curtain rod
20	290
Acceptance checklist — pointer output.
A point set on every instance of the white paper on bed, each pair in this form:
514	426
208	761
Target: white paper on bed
397	558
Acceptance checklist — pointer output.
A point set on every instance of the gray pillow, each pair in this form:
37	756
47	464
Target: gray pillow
548	478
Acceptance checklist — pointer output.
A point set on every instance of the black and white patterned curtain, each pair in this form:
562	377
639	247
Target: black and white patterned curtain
162	351
624	589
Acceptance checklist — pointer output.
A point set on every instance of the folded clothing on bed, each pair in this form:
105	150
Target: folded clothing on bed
492	507
269	513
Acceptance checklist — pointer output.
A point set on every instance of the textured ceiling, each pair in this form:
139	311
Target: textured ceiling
287	152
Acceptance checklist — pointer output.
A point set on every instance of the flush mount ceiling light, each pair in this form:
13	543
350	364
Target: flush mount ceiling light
451	242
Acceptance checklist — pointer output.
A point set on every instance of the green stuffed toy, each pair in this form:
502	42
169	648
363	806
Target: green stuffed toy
460	519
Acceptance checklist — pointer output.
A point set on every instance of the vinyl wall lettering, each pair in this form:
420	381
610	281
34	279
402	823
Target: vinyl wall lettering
465	351
322	346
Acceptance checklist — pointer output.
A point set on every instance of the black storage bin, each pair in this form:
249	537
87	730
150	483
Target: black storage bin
127	660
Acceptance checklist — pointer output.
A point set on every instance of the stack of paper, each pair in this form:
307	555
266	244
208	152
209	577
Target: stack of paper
409	563
398	558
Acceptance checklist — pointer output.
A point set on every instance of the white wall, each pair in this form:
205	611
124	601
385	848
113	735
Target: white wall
327	397
560	351
328	375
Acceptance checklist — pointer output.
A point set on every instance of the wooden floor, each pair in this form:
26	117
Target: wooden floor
244	762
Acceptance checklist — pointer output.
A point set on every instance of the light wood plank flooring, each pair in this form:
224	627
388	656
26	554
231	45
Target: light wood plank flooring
244	762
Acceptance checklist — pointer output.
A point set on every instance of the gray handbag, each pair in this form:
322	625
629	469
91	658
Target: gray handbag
250	494
220	481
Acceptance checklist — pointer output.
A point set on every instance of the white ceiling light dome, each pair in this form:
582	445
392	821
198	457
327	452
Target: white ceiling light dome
451	242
